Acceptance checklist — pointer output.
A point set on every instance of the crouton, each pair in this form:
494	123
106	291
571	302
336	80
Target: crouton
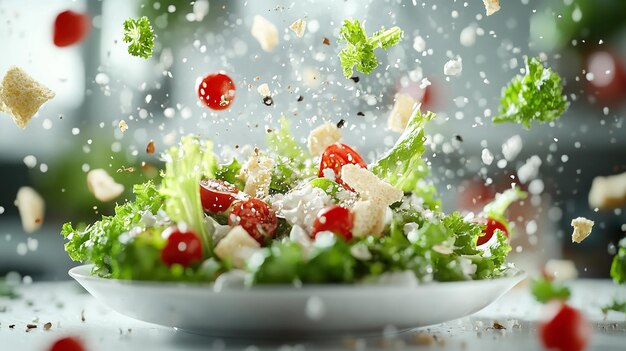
236	246
369	186
369	218
323	136
31	207
608	192
401	112
21	96
265	33
257	173
298	27
491	6
103	186
582	229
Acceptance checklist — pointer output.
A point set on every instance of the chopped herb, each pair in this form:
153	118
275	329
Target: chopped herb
615	305
359	48
139	35
618	267
535	96
545	290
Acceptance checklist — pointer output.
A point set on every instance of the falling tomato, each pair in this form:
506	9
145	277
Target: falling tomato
216	91
70	28
605	77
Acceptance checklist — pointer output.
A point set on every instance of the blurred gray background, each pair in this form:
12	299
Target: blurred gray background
98	84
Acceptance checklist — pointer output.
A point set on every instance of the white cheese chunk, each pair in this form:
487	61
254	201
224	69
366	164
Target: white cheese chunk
582	229
608	192
560	270
453	67
257	173
265	33
31	207
264	90
237	247
323	136
21	96
491	6
369	186
103	186
401	112
298	27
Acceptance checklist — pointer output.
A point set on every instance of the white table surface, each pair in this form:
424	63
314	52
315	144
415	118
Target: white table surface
62	303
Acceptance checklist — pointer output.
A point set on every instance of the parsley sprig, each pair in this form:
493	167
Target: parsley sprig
359	49
140	36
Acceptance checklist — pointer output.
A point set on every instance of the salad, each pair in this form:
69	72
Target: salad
290	215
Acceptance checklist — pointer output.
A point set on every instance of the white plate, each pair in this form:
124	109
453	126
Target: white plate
310	310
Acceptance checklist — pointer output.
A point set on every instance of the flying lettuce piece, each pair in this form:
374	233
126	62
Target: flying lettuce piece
230	173
535	96
95	243
185	165
618	267
359	48
139	35
496	208
292	162
403	166
544	290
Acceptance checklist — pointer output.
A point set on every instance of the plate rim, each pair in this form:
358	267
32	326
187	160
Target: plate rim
77	274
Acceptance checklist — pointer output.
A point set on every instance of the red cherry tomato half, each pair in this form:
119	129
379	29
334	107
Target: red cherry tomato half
491	226
336	156
216	91
67	344
70	28
183	247
256	217
336	219
217	195
568	330
606	77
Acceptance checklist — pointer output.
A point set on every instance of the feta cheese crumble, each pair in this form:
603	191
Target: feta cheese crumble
582	229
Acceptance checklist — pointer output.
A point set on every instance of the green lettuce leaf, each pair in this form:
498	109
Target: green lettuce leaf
496	208
292	162
615	305
185	165
618	267
535	96
403	166
230	173
544	290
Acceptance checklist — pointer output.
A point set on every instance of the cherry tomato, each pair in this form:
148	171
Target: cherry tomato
336	219
70	28
568	330
217	195
608	83
183	247
216	91
67	344
336	156
491	225
256	217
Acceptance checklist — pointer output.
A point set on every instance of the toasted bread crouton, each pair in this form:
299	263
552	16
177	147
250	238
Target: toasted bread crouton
31	207
323	136
265	33
257	173
103	186
21	96
369	186
401	112
491	6
236	246
582	229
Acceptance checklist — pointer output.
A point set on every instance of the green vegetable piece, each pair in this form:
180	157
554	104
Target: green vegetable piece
403	166
618	267
359	48
139	35
544	290
7	290
292	162
330	187
329	263
185	166
615	305
496	208
535	96
279	264
230	173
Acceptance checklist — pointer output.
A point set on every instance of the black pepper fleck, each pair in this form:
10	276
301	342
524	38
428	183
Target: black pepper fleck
326	41
341	123
458	137
355	79
360	113
300	98
268	101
